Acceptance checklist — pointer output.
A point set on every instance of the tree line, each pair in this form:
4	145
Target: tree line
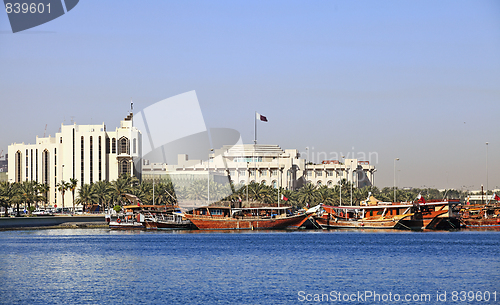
108	194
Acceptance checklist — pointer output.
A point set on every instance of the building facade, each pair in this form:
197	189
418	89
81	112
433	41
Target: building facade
269	165
87	153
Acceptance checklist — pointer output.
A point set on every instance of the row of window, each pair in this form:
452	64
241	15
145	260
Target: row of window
247	159
274	183
263	172
319	173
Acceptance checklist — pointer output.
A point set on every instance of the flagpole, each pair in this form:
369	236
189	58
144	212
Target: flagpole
279	178
255	131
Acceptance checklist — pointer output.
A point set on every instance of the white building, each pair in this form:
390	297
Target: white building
269	165
87	153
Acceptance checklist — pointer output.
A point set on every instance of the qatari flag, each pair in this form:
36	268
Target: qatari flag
260	117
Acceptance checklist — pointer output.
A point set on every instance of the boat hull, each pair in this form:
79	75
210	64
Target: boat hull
491	223
432	220
169	225
330	223
227	223
126	225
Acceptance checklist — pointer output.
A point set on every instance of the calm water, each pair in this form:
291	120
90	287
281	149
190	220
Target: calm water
94	266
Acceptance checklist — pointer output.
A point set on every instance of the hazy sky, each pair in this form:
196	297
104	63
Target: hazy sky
415	80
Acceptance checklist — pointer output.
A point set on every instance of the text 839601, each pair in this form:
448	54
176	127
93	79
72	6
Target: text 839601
24	8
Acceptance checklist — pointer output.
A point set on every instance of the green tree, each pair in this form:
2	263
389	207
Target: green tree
123	185
62	187
44	189
28	193
7	193
308	195
103	191
86	195
73	183
325	195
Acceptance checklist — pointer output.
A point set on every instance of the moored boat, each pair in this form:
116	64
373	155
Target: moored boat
128	221
480	216
137	216
167	221
227	218
374	214
432	215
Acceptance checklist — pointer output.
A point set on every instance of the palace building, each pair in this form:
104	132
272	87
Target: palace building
266	164
87	153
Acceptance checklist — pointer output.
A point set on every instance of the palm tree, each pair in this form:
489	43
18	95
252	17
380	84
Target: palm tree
123	185
144	192
197	190
308	195
28	193
86	195
44	189
7	193
163	195
62	187
257	191
103	192
291	196
325	195
72	187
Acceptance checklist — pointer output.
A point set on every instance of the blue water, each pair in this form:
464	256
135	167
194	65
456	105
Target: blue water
99	266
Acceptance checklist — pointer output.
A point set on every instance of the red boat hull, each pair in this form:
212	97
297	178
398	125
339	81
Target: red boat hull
226	223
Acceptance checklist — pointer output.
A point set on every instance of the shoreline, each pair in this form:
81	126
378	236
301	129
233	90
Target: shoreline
85	225
51	222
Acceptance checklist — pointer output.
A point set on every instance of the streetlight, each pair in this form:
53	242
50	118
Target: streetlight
352	180
208	177
343	157
153	176
486	169
279	179
397	159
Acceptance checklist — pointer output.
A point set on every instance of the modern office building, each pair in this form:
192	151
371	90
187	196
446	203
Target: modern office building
87	153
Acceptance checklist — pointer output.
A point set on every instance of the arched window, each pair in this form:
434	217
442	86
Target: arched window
242	182
82	160
18	166
275	184
108	145
91	163
124	146
124	167
45	166
263	182
319	183
329	183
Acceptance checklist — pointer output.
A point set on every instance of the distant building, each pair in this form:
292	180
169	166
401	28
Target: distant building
88	153
4	167
266	164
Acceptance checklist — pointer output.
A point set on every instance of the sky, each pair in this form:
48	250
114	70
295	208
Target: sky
414	80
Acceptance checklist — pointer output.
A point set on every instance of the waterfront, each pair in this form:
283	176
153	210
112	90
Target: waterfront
99	266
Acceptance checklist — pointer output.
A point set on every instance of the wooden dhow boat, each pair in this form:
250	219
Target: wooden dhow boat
127	221
139	216
373	214
253	218
167	221
480	216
